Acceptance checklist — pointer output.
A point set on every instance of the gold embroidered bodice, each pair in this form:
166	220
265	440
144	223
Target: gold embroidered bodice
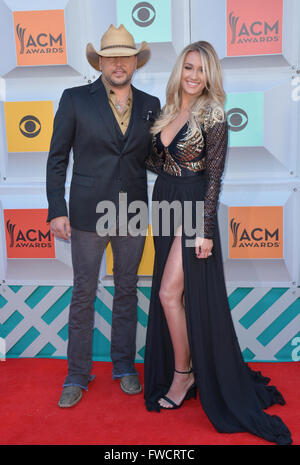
206	150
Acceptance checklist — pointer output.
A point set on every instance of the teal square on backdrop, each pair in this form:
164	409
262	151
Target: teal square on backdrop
245	112
149	21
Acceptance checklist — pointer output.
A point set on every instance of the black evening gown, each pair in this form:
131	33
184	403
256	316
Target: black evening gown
231	393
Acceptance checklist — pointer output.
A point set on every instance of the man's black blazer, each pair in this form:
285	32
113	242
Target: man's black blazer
101	169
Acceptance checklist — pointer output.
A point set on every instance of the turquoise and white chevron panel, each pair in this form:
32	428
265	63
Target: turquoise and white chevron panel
34	321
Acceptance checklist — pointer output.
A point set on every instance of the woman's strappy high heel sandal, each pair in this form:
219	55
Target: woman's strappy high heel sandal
192	392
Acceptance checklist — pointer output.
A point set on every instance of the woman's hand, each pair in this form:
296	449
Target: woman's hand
203	247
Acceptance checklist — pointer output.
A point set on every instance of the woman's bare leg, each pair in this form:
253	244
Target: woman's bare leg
172	300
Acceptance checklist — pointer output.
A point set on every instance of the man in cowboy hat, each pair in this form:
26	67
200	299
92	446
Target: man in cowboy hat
107	124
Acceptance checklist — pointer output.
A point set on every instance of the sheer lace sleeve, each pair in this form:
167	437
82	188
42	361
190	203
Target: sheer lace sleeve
155	159
216	128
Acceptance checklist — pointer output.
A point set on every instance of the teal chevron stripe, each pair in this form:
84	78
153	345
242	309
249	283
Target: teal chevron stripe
141	352
146	291
101	345
15	289
262	306
63	333
3	301
110	289
142	317
12	321
279	323
248	354
24	342
46	351
103	310
238	295
284	354
62	302
37	295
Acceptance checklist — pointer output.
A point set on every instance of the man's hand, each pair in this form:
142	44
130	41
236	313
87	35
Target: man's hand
60	227
203	247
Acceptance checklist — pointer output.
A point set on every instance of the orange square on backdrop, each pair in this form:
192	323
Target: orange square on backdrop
255	232
40	37
254	27
28	234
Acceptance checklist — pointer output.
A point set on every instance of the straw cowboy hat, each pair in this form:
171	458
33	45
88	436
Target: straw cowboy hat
117	42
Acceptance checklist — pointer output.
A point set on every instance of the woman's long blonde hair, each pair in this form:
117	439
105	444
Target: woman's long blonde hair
213	94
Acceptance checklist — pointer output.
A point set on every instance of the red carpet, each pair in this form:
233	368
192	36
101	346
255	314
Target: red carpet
30	389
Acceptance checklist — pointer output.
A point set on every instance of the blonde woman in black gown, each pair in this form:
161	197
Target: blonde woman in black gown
191	345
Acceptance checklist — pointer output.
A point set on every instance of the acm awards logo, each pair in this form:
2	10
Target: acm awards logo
27	233
252	32
254	237
40	37
39	43
28	238
143	14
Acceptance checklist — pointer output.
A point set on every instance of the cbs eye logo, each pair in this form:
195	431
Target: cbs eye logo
143	14
237	119
30	126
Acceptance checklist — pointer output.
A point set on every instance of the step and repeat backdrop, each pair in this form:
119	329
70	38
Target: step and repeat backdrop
42	51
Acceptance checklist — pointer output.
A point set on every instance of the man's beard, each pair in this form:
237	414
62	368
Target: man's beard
114	83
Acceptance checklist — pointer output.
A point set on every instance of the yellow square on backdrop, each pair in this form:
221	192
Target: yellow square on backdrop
29	126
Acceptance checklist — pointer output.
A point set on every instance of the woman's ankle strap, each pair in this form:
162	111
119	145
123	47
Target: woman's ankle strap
184	372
